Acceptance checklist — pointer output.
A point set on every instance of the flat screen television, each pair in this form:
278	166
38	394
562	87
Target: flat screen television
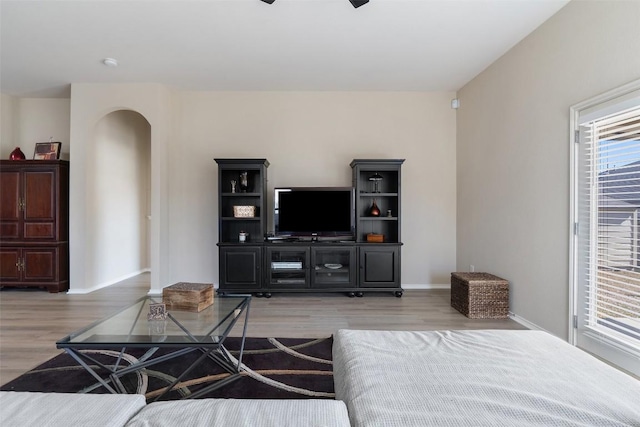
315	212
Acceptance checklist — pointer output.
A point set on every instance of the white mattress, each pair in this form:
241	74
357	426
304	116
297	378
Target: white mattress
477	378
243	413
21	409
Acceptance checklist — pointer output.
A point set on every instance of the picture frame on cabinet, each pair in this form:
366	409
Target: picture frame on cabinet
47	151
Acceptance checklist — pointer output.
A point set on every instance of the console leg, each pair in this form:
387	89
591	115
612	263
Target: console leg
351	294
267	294
359	294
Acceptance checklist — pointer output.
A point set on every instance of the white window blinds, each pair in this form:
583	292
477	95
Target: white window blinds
609	224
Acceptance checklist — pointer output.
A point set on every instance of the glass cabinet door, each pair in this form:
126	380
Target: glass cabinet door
333	267
288	267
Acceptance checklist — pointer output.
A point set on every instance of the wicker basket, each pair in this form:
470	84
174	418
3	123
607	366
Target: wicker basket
480	295
244	211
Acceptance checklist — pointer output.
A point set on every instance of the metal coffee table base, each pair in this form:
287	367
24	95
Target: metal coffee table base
122	331
219	355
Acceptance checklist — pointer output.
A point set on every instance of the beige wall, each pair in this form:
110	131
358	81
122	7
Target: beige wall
26	121
89	104
513	150
310	138
7	125
121	196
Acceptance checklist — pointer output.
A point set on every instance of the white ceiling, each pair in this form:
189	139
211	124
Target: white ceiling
400	45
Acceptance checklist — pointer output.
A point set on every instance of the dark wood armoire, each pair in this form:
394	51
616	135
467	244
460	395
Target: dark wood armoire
34	224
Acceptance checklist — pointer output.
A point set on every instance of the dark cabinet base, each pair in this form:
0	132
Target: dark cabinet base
379	266
34	267
310	267
240	268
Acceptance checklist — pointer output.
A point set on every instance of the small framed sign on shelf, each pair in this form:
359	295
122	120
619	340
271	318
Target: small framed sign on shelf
47	151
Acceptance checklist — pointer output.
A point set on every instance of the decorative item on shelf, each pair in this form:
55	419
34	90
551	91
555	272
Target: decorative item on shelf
376	178
334	266
233	185
47	150
17	154
244	182
157	312
243	236
374	211
244	211
375	238
389	214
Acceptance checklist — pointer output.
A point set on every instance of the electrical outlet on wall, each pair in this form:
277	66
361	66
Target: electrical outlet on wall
472	268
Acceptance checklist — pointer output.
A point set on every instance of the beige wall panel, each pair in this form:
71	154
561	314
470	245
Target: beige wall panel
310	138
513	150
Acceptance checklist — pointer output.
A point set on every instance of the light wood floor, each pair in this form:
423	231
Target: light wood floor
31	321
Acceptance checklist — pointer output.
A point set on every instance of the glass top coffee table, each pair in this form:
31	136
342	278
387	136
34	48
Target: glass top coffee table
181	332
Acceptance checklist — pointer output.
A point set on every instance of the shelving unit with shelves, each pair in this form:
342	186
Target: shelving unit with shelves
229	226
387	199
261	266
378	180
240	263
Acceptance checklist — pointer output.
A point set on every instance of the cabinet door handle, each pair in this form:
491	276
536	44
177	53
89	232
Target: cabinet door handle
21	204
20	264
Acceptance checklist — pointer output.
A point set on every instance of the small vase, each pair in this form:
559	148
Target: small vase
374	211
17	154
244	182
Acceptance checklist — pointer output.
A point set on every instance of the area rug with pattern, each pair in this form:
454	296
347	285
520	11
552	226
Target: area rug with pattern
273	368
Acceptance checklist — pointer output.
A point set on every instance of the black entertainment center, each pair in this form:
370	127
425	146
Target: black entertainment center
325	239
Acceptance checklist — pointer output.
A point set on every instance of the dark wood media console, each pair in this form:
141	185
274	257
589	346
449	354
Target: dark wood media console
263	267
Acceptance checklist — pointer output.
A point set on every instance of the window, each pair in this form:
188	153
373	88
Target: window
606	218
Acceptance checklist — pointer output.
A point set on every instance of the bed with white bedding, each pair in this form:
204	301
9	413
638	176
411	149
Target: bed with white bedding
477	378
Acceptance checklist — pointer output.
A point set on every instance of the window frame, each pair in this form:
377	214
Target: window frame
601	105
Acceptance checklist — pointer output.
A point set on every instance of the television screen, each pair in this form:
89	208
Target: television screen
314	211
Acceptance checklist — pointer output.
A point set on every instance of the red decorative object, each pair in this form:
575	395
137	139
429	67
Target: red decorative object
374	211
17	154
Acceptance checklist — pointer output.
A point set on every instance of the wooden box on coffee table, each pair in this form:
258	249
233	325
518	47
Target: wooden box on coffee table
188	296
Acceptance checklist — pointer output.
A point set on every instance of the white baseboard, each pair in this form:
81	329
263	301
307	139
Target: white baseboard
109	283
527	324
426	286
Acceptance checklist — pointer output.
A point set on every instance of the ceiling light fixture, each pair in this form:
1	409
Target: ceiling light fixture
358	3
354	3
110	62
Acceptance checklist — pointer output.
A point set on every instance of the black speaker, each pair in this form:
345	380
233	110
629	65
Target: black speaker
356	3
268	1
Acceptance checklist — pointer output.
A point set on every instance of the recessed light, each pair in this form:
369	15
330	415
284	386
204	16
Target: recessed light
110	62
